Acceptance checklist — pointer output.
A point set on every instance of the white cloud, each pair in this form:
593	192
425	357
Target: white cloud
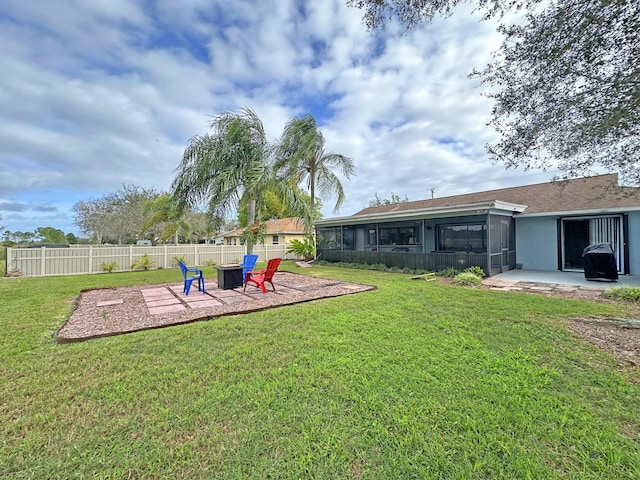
99	94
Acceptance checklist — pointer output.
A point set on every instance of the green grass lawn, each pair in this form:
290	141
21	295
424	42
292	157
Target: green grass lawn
413	380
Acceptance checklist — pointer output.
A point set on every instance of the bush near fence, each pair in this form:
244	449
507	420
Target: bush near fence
88	259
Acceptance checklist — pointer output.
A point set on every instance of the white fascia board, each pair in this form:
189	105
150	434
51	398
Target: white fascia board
595	211
509	207
420	213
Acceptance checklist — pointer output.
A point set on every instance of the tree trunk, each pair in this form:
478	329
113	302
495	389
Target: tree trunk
312	194
251	218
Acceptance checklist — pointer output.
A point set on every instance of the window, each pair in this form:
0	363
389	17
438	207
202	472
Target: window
329	238
399	235
228	240
388	236
372	237
463	238
348	238
275	240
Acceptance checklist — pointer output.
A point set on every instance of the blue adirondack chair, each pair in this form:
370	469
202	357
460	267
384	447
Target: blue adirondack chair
189	275
248	264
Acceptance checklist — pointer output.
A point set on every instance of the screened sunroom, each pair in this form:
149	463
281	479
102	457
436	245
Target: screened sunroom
433	239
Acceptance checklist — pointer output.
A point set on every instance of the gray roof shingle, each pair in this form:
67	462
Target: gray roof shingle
589	193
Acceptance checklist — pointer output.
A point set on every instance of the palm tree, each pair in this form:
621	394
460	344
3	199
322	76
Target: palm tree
301	156
234	161
163	211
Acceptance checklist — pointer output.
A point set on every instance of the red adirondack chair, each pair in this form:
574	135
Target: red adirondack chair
265	275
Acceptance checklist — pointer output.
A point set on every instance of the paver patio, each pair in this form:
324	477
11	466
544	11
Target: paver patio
114	311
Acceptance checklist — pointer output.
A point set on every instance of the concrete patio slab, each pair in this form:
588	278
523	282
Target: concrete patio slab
564	278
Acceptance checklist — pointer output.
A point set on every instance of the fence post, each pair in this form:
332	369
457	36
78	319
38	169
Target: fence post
130	256
43	254
90	267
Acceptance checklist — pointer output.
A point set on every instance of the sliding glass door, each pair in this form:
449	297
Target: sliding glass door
578	233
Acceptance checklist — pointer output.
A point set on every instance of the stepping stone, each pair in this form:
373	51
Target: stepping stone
163	301
110	302
167	309
154	291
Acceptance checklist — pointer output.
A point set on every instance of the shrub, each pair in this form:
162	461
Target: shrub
303	248
143	262
381	267
467	279
109	267
476	270
624	292
448	272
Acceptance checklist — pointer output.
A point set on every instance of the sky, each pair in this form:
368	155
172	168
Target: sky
95	95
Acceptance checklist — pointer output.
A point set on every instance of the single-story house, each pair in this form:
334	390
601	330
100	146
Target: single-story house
213	239
545	226
280	231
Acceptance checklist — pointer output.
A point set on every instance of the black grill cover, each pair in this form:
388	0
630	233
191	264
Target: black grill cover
600	262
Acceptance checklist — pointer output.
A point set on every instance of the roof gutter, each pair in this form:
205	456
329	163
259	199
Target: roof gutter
593	211
420	213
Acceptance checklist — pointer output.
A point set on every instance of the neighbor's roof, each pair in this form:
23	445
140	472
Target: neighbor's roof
597	192
290	225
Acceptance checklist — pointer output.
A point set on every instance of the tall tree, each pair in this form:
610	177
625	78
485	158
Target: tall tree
127	204
234	161
19	237
272	206
92	217
163	212
301	157
199	225
395	199
117	215
565	81
50	235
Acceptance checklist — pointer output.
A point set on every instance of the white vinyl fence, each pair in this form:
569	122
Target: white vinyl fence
86	259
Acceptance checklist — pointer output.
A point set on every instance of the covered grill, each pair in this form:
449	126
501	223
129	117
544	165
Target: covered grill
600	262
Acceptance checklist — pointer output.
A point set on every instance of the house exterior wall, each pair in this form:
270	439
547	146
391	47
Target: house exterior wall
634	243
537	243
268	239
288	237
